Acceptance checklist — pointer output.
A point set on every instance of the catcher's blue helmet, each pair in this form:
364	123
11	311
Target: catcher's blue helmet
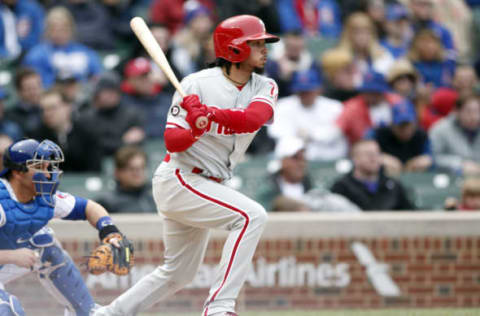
29	153
16	155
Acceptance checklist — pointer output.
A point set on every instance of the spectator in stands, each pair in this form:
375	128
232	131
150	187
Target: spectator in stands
443	102
172	12
188	42
311	117
5	141
7	126
375	9
93	26
116	123
59	54
360	38
29	16
26	111
291	180
314	18
405	147
403	79
265	10
370	109
79	143
338	74
133	193
397	27
161	33
428	57
10	47
290	56
367	186
465	80
142	92
456	138
470	198
422	14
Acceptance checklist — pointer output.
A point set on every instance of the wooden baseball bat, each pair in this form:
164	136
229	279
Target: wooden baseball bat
145	37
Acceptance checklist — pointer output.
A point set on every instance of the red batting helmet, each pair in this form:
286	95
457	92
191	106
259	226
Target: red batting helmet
231	36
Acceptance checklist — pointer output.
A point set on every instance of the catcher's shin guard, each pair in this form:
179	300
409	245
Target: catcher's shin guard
59	275
9	305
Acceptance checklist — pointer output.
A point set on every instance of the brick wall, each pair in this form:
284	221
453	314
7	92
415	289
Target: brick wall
309	273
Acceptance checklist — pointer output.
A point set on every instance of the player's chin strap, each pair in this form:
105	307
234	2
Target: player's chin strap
45	187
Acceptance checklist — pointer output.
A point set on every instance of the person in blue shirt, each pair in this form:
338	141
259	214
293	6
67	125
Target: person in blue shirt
397	29
59	55
422	17
317	18
28	201
429	58
30	17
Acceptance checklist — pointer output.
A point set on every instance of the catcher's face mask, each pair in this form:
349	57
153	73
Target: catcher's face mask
46	167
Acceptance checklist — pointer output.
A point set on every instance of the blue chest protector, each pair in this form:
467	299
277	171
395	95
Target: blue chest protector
21	221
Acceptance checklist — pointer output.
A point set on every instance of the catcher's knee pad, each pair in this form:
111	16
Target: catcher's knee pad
59	275
10	305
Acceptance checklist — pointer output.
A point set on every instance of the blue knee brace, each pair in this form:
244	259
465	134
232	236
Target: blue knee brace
61	277
9	305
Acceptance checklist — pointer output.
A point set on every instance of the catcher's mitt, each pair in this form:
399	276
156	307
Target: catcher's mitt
107	257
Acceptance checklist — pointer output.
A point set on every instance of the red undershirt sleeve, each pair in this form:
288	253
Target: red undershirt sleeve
244	120
178	139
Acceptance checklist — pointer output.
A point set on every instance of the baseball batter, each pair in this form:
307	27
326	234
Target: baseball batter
188	186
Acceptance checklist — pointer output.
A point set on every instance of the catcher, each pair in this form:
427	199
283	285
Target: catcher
28	201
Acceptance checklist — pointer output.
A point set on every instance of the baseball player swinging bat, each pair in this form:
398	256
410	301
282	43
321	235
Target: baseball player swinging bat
145	37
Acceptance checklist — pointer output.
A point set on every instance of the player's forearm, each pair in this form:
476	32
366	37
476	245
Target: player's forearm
178	139
94	212
246	120
7	256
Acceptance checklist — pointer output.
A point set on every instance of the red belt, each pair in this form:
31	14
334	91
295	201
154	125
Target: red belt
195	170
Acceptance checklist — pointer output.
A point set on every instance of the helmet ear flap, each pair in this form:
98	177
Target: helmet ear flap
239	52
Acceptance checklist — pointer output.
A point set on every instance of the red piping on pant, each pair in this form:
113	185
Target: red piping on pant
235	247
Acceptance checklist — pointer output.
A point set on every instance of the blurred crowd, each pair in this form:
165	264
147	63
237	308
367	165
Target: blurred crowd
391	85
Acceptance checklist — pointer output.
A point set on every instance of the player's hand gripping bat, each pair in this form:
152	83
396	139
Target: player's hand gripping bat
145	36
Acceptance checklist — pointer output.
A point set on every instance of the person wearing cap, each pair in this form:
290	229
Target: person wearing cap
422	15
456	138
442	103
30	200
291	189
403	79
116	123
143	93
370	109
367	186
189	43
404	146
291	180
397	28
428	56
310	116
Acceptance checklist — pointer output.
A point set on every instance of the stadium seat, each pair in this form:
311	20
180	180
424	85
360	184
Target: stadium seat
429	190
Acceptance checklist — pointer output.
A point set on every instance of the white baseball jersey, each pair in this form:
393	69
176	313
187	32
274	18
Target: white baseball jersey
192	203
219	149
